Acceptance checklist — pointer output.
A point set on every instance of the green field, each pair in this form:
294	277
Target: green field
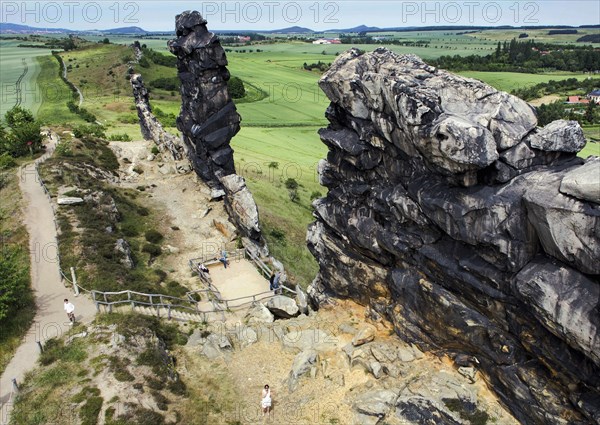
16	62
508	81
540	35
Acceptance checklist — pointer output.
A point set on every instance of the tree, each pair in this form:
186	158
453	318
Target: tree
292	187
106	40
17	116
590	112
236	88
13	283
23	135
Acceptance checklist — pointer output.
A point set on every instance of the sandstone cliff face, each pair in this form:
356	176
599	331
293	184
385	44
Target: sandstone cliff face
453	214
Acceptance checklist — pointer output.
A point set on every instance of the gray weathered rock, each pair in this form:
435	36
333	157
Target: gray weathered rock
69	200
122	247
306	339
561	136
258	313
151	128
365	334
565	302
583	182
283	307
375	403
443	213
301	300
568	229
303	363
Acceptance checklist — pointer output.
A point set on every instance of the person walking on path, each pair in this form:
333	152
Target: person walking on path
266	401
223	258
70	309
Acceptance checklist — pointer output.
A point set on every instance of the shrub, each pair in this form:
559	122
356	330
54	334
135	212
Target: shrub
6	161
153	236
120	137
153	250
236	88
155	150
175	289
14	282
315	194
90	410
89	131
160	274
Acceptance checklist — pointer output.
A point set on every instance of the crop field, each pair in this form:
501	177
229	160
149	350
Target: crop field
19	71
508	81
540	35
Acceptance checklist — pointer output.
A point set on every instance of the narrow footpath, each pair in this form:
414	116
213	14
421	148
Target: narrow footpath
50	319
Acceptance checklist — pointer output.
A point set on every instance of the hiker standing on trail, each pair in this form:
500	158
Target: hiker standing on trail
70	308
266	401
276	279
223	258
272	281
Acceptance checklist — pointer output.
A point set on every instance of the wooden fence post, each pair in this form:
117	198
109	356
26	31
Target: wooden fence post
75	287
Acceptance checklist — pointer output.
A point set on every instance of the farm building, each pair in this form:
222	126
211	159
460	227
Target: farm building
594	95
576	100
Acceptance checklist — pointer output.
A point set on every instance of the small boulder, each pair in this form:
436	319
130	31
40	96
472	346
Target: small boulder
69	200
258	313
376	369
303	362
468	372
583	182
122	247
365	334
560	136
283	307
301	300
406	354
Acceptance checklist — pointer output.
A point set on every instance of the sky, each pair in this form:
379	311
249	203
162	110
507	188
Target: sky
155	15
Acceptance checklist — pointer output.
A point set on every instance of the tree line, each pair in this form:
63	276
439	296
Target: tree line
526	56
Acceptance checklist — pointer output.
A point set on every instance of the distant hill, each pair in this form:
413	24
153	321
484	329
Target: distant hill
8	28
125	30
360	28
290	30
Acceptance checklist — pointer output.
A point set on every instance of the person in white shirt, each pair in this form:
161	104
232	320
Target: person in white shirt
70	308
265	402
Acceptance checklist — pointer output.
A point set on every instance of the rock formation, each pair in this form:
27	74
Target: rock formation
149	125
450	212
208	120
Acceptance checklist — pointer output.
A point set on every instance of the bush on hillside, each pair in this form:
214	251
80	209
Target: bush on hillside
236	88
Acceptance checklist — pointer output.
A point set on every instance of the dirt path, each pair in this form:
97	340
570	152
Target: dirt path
50	319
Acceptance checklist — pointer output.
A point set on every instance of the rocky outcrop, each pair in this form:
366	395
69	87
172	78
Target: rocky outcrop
208	119
149	125
450	212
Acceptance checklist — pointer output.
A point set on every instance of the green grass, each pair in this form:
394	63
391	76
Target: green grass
508	81
592	134
540	35
55	94
13	62
297	151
